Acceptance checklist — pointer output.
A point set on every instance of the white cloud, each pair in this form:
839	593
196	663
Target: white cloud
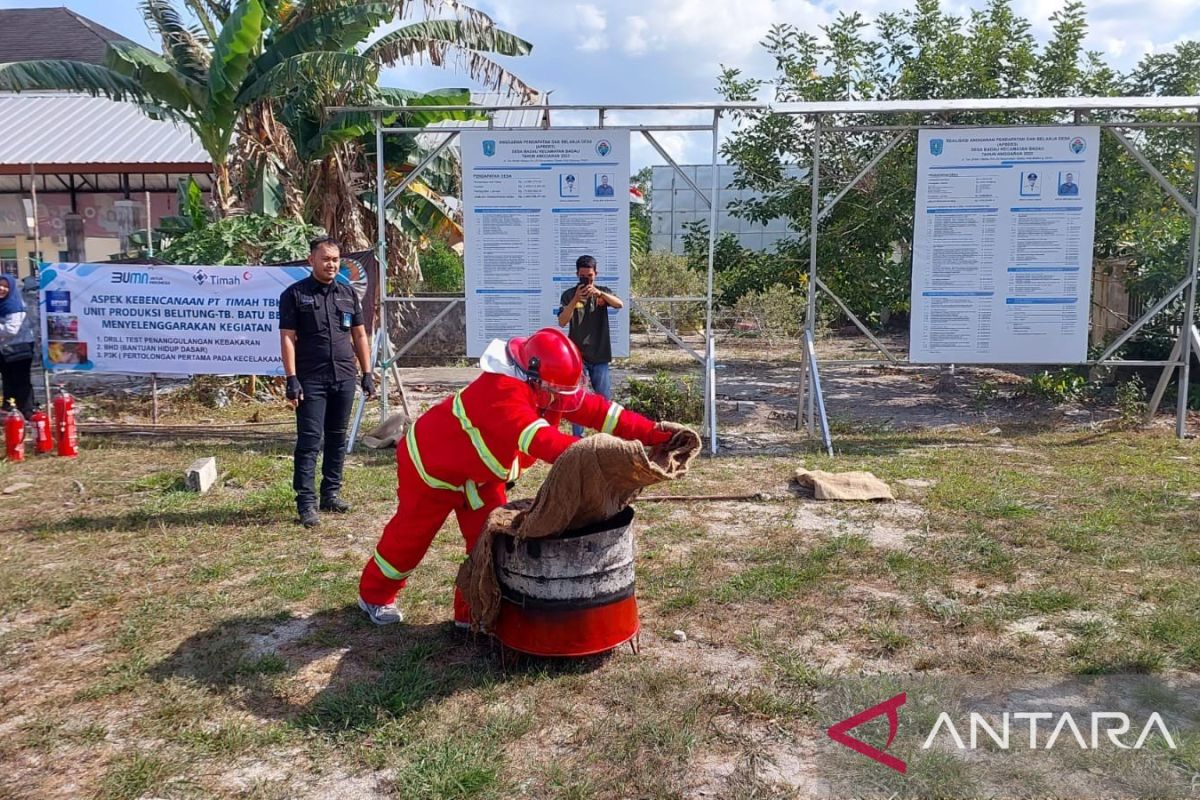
592	24
635	35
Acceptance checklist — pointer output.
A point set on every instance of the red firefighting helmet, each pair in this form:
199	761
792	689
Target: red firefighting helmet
553	366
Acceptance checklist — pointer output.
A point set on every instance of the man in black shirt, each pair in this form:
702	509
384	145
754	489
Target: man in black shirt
585	309
321	335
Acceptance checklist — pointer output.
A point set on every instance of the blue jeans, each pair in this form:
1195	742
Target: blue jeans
601	384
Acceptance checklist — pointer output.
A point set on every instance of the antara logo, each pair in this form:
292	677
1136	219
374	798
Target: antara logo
1105	728
889	707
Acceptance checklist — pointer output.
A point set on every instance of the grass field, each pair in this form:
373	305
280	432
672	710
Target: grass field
155	643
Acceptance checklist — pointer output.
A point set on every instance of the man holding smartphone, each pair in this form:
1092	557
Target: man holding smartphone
585	309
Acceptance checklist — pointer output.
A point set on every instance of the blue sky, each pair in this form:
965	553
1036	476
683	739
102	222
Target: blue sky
669	51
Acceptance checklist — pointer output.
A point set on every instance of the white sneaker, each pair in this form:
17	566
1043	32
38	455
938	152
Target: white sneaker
381	615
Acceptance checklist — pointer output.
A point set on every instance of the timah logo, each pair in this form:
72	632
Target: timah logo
489	147
839	732
200	276
935	146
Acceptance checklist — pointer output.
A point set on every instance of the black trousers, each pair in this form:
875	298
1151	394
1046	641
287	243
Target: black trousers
322	414
18	384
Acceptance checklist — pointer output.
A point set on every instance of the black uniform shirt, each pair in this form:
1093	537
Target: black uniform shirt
589	327
322	315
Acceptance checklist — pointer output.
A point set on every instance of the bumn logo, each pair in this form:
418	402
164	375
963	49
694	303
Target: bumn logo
890	707
130	277
935	146
489	147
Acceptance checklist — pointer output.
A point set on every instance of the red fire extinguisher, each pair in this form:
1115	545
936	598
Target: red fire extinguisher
14	433
64	424
42	441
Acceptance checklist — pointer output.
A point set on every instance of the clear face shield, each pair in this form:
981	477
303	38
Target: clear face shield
563	399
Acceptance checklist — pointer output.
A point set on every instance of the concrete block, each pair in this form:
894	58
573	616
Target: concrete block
201	475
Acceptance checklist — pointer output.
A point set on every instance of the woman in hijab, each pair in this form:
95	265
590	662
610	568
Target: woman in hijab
16	346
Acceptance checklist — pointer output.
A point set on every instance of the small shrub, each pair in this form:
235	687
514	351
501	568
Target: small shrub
665	274
778	310
663	398
985	394
1131	402
1056	387
441	268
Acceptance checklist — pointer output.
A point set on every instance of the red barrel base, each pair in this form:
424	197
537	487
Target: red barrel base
570	632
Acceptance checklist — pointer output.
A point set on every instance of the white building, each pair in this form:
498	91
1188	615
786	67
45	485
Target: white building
673	204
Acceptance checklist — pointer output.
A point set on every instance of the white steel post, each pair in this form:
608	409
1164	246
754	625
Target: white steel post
710	350
1189	314
381	265
810	311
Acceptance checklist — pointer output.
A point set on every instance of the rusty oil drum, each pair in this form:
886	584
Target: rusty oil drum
568	595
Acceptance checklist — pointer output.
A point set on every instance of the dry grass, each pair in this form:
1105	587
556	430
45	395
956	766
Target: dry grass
154	643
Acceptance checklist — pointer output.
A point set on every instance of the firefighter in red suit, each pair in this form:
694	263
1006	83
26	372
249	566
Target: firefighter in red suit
459	455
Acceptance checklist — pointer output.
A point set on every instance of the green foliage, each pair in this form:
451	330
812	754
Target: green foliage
865	242
739	271
665	399
777	312
1061	386
249	239
441	268
1131	402
665	274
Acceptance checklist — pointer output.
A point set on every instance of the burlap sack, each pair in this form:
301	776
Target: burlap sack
591	481
843	485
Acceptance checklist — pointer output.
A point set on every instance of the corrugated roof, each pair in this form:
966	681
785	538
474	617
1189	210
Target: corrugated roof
30	34
79	129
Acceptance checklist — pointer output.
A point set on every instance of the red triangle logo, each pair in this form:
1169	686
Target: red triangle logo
889	707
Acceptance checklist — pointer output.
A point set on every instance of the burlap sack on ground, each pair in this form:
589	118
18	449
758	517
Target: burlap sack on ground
591	481
843	485
389	433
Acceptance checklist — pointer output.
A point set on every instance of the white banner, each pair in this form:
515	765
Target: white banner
1002	251
163	319
535	202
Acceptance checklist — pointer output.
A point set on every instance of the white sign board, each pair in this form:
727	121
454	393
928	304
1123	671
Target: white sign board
535	201
1002	251
163	319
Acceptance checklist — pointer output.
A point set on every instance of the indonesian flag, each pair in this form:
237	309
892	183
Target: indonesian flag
636	197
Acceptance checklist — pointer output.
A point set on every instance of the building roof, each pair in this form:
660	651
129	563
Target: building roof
31	34
79	133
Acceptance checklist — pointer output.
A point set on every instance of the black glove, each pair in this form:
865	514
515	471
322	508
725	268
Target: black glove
293	391
368	384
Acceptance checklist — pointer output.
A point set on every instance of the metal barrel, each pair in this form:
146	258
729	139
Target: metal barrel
582	568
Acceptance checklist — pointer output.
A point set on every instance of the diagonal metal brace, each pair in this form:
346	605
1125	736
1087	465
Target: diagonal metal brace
417	170
638	307
699	192
864	172
1137	326
1159	178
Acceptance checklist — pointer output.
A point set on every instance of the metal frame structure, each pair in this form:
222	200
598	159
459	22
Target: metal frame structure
811	404
384	356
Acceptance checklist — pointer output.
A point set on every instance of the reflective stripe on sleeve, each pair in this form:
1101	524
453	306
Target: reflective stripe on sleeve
611	418
526	437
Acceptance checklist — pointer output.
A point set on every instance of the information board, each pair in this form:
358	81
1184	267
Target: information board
163	319
1002	251
534	202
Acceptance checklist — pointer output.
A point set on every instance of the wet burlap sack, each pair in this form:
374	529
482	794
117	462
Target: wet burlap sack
591	481
843	485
